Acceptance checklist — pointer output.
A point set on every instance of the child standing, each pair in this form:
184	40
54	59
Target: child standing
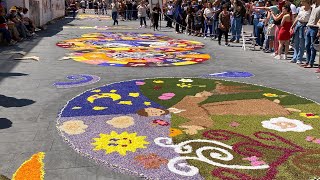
198	22
224	24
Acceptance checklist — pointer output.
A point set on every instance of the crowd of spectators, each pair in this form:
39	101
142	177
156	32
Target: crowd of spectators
16	26
277	24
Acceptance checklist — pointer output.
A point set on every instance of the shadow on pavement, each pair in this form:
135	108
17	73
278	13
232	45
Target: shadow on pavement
6	63
12	74
5	124
7	102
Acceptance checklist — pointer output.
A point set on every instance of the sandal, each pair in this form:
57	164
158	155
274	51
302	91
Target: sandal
309	66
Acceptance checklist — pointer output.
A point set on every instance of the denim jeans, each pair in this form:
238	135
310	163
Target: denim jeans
208	26
114	17
143	20
310	39
236	28
129	14
266	40
256	31
22	30
6	34
299	42
215	28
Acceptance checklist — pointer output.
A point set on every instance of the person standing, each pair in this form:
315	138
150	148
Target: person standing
298	28
95	7
190	20
83	6
169	14
224	24
216	9
114	10
284	32
129	10
257	15
197	21
311	35
208	20
155	16
142	13
239	12
134	10
73	8
178	15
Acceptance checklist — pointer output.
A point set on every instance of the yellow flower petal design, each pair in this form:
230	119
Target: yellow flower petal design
97	90
147	103
99	108
134	94
309	115
270	95
119	143
125	102
158	81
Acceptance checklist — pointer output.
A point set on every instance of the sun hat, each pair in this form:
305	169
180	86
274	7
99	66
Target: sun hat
13	8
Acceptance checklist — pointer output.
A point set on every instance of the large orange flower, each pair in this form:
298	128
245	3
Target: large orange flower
32	169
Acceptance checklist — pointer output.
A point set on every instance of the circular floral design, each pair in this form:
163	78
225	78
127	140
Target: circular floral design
207	129
133	50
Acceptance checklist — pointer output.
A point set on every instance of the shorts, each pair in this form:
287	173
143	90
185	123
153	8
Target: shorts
270	30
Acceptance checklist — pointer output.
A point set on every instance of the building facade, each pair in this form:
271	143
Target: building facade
40	11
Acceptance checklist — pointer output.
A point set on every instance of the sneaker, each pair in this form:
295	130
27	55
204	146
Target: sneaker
238	41
292	61
231	40
273	54
278	57
285	57
205	37
219	43
140	27
227	44
299	62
